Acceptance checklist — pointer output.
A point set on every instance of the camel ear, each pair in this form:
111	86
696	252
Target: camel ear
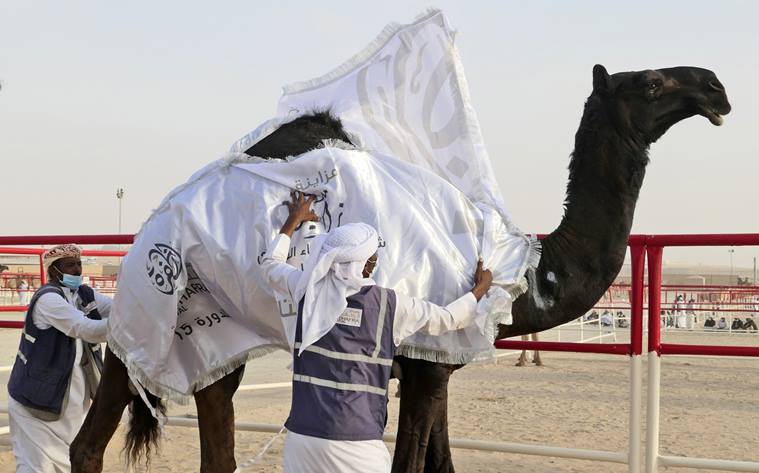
601	79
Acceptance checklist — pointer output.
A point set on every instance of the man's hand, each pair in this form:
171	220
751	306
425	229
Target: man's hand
483	278
300	211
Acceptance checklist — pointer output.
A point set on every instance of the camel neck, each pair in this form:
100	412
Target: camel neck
581	258
606	175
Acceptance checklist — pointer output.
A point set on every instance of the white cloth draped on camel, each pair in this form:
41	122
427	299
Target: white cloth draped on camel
191	305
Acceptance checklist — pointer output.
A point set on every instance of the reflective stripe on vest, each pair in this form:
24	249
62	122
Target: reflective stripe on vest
380	323
28	337
346	356
325	383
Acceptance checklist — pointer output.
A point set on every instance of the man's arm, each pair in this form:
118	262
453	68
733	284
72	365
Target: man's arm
54	310
279	275
416	315
103	304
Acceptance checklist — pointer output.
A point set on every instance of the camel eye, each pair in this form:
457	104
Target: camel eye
653	88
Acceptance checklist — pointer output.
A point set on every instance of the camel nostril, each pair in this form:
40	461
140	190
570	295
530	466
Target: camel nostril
715	85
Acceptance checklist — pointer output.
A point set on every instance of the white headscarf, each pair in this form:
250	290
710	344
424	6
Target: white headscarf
332	273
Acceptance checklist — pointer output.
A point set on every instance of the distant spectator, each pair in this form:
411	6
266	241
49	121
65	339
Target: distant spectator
709	322
23	292
13	286
722	324
690	312
679	308
690	308
670	319
750	325
607	320
737	324
622	322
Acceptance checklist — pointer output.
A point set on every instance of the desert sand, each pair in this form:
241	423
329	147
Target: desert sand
709	408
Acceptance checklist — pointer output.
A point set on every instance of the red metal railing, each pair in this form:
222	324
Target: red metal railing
55	240
640	245
62	239
635	347
654	248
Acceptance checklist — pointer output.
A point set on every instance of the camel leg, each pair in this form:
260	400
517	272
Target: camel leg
216	424
438	458
113	395
523	357
422	444
536	354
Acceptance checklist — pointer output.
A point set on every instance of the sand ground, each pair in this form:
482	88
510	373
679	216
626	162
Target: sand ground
709	408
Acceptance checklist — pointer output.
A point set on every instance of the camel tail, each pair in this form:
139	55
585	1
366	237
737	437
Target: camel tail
144	429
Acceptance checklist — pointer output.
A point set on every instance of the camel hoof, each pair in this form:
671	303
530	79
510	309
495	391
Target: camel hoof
520	363
538	363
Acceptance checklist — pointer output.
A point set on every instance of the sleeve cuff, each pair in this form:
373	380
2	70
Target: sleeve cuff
463	309
280	247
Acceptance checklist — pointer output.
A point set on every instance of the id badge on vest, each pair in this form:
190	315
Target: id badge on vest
350	317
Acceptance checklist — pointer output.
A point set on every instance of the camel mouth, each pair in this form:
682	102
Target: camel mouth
713	116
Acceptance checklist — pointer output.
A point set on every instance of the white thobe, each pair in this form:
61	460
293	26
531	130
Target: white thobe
304	453
43	446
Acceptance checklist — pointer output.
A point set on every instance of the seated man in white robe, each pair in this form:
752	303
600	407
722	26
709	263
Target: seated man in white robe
57	366
346	335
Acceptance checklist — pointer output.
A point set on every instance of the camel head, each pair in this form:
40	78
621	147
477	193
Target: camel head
299	136
644	104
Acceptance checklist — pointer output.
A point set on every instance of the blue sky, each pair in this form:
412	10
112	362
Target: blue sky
100	95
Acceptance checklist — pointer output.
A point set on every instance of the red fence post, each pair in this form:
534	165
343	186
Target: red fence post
654	298
43	276
637	264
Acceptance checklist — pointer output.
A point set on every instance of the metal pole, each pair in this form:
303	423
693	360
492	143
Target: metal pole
120	196
731	251
754	270
654	360
637	262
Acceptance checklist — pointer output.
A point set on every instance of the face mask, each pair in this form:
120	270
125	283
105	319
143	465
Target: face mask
70	281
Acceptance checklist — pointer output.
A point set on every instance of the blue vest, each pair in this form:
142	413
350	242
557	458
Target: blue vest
340	382
45	359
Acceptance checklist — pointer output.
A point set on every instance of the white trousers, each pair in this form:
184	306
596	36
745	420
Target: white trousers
316	455
43	447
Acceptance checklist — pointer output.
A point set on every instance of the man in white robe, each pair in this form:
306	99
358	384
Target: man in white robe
56	373
347	332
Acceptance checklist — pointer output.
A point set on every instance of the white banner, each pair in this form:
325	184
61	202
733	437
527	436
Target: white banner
191	304
405	95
